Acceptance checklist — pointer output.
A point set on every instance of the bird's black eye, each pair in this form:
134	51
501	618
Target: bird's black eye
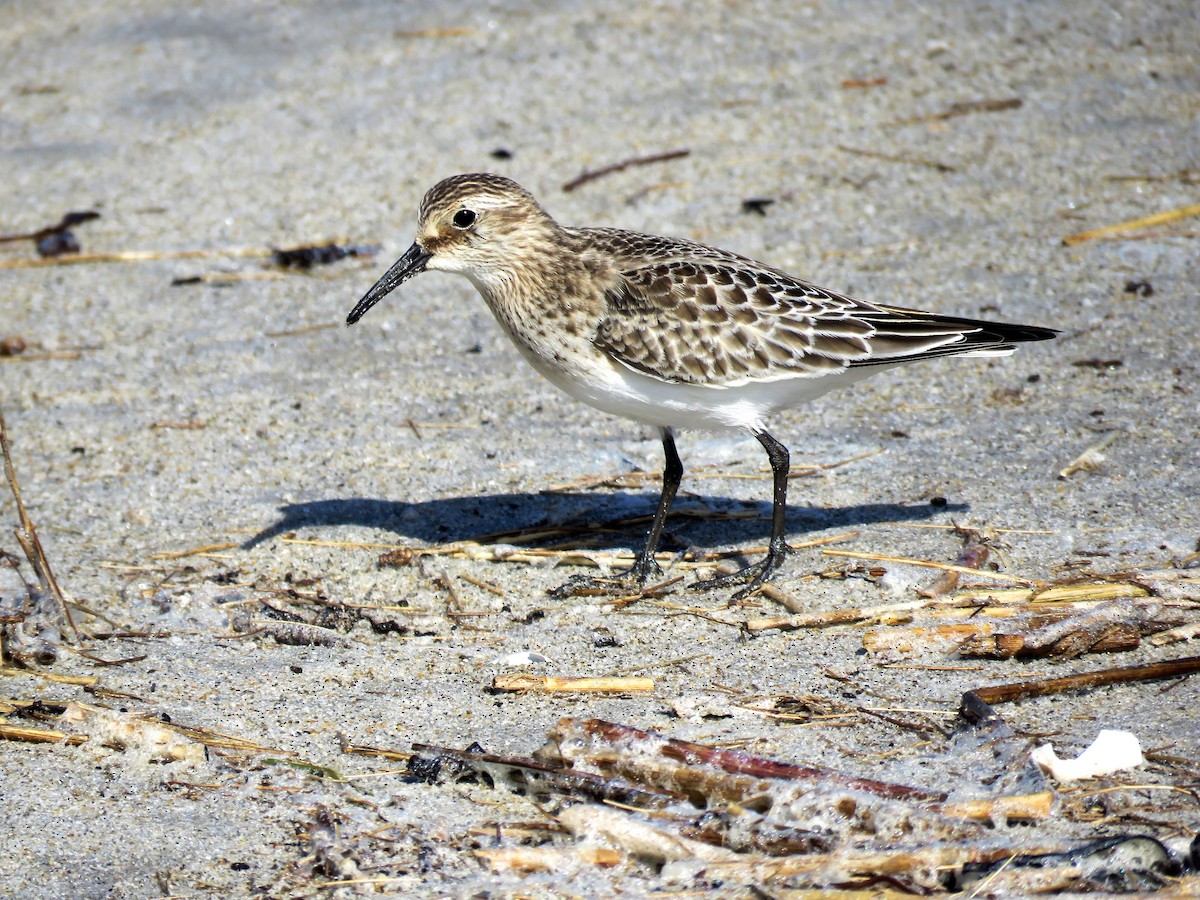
464	218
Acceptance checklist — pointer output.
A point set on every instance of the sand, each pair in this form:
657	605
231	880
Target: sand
239	413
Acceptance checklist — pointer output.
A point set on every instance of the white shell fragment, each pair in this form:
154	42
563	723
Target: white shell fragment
1112	751
522	658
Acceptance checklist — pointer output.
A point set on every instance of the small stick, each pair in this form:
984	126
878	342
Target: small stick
965	108
593	174
1004	693
27	536
879	81
900	158
521	681
1171	215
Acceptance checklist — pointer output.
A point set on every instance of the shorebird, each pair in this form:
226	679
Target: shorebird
670	332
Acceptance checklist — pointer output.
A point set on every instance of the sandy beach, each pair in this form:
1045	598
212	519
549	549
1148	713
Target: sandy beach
216	465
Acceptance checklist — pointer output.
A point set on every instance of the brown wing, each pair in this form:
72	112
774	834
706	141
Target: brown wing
719	322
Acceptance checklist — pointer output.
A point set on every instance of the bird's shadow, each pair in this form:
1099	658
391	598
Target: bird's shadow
494	516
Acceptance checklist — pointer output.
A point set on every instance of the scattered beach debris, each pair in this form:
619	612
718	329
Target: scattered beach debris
693	813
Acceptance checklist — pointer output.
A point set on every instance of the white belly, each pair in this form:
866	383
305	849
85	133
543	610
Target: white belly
622	391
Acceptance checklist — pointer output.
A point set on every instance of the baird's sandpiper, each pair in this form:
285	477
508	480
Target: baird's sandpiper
669	332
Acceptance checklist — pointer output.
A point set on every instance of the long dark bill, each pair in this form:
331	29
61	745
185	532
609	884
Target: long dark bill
411	263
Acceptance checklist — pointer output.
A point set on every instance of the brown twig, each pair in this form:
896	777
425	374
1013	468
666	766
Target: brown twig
972	701
965	108
593	174
900	158
70	220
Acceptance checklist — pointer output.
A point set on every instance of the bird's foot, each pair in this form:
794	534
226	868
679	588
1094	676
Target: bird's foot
642	578
754	576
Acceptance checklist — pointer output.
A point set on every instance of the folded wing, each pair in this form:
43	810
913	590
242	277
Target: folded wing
724	323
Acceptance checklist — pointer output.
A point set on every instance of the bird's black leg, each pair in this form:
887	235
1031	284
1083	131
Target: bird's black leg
645	567
778	549
758	573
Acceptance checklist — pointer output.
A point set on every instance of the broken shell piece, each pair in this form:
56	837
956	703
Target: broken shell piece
522	658
1112	751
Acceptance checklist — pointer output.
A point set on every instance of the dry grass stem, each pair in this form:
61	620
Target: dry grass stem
135	256
85	680
1171	215
194	551
39	735
27	536
930	564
